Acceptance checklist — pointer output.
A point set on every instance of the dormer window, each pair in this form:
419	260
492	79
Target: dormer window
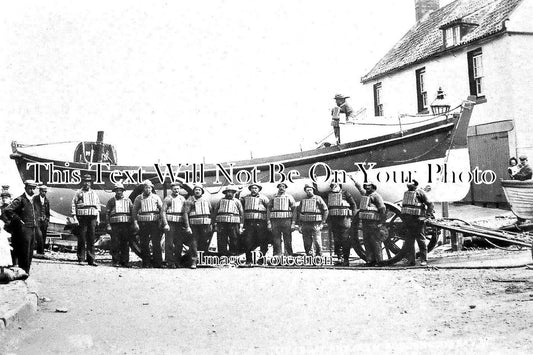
454	31
452	36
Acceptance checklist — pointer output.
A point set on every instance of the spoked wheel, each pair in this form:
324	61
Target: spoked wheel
135	245
394	248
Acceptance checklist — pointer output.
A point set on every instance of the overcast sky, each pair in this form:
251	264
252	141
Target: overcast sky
182	81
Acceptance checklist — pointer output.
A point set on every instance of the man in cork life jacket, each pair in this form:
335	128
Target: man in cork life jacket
255	221
312	216
372	214
176	226
21	214
342	208
281	219
198	211
228	218
416	208
86	208
342	107
146	219
119	223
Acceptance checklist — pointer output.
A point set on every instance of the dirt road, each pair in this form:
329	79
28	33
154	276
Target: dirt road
225	310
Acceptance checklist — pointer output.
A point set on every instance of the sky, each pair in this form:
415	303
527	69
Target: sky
178	82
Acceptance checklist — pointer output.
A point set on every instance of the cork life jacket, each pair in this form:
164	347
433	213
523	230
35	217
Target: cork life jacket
149	211
200	213
411	204
281	208
228	212
254	208
368	210
337	205
309	211
175	210
90	200
121	213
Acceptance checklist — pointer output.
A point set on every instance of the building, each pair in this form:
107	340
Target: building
468	47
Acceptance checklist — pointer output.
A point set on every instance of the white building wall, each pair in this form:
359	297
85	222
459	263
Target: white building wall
508	79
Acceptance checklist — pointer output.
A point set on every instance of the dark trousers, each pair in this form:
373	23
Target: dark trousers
371	242
415	232
191	241
281	228
120	238
86	238
174	243
149	231
312	235
340	230
23	241
255	233
40	236
228	233
202	233
337	132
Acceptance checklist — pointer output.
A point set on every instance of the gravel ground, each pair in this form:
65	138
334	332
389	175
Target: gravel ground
227	310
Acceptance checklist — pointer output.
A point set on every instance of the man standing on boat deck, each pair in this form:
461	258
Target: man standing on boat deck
525	172
342	107
176	226
42	216
281	219
341	207
146	217
372	213
416	208
229	218
198	211
255	221
21	213
312	216
86	208
118	218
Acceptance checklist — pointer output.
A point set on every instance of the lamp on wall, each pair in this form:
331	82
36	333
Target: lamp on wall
440	105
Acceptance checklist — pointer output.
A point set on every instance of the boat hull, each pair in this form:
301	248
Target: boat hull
519	194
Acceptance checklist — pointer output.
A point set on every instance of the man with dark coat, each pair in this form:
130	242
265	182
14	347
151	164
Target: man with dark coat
42	216
21	213
525	172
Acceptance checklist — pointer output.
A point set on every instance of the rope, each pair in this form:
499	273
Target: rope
20	145
430	117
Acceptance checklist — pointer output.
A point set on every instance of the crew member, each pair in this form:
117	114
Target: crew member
21	214
42	216
255	221
146	217
176	224
416	208
372	213
281	218
86	208
342	107
312	216
229	218
4	202
198	211
341	207
525	172
118	218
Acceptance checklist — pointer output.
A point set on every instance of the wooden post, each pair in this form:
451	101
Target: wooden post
445	214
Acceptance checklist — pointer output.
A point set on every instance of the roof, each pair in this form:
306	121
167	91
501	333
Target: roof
425	39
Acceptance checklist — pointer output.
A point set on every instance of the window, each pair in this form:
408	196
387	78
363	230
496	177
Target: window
475	72
421	93
378	103
452	36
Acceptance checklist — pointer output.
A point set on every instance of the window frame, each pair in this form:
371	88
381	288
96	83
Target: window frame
378	102
476	73
421	92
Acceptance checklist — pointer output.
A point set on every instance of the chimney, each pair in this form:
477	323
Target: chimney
424	7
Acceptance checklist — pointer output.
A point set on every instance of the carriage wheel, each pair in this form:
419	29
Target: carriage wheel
394	248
